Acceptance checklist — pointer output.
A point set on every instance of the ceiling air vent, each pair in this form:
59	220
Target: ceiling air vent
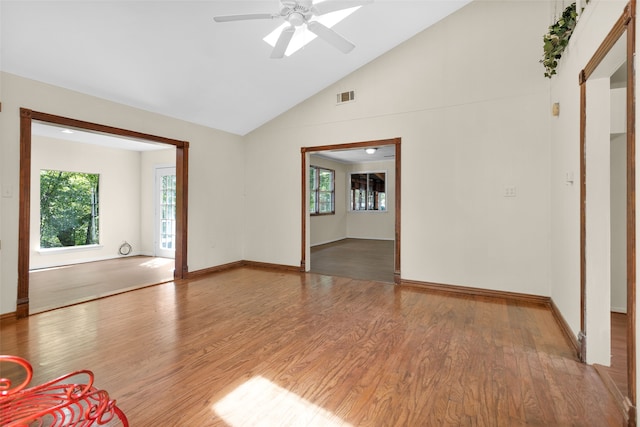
346	97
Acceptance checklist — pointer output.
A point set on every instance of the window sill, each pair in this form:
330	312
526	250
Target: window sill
67	249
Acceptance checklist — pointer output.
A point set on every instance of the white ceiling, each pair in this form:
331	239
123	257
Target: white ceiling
358	155
94	138
171	58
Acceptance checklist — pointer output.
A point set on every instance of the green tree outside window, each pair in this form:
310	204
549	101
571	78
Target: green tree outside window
69	208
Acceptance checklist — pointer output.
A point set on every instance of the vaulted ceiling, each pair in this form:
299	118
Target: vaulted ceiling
170	57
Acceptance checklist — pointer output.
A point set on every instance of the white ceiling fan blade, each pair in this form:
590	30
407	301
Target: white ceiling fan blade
283	42
335	5
246	17
330	36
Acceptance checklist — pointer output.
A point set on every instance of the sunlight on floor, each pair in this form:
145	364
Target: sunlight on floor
158	263
259	402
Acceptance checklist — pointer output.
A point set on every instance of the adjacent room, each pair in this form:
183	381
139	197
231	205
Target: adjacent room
352	212
97	230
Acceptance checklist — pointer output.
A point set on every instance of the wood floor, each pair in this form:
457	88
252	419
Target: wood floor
61	286
355	258
248	347
618	369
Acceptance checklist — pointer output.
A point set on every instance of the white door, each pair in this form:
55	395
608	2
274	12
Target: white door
165	212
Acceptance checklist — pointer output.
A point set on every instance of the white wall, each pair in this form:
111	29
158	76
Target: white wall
374	224
468	98
618	156
149	160
619	223
119	197
619	110
598	220
216	171
330	228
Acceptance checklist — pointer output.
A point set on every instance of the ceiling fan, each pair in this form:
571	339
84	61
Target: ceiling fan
303	12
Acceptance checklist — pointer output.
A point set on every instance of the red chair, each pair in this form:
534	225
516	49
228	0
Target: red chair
55	403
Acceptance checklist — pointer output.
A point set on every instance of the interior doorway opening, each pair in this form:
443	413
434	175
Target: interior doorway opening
376	199
27	119
607	228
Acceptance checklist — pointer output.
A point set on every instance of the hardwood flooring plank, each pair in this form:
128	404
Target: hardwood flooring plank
56	287
246	346
366	259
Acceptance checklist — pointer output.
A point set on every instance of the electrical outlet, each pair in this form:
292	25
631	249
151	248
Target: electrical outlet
509	191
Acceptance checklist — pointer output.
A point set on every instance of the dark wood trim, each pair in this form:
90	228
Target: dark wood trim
487	293
626	22
8	317
350	145
182	203
631	208
303	210
566	329
211	270
396	263
95	127
22	303
623	402
303	185
614	35
182	169
583	221
269	266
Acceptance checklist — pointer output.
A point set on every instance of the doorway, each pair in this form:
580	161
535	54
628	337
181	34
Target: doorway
27	117
305	210
609	71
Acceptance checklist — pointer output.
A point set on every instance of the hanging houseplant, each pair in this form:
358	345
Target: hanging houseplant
557	39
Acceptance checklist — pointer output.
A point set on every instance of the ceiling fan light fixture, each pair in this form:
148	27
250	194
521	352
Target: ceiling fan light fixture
296	19
302	37
370	150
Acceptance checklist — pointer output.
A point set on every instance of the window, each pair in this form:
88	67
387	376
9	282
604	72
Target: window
368	191
322	191
68	208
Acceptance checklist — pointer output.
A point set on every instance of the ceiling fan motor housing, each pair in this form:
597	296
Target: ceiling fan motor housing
297	12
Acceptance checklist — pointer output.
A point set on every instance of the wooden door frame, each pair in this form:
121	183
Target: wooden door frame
626	22
304	201
27	116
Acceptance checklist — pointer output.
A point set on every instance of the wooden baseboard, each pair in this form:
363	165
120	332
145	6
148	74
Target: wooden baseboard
8	316
211	270
239	264
269	266
489	293
623	402
564	326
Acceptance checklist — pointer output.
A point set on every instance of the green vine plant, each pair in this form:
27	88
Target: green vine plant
557	39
